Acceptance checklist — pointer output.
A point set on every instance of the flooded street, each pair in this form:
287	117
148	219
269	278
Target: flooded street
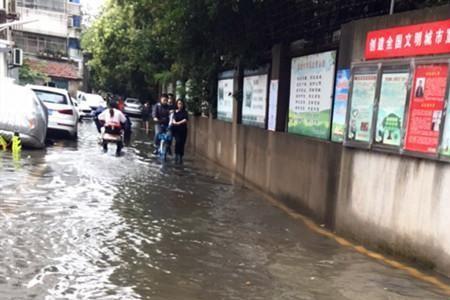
80	224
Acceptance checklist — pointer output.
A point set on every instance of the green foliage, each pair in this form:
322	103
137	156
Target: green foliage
138	45
27	75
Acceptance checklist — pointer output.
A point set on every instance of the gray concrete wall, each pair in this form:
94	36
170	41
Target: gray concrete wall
397	203
393	203
355	33
301	172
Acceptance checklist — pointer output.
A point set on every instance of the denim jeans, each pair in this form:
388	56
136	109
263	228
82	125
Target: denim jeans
156	140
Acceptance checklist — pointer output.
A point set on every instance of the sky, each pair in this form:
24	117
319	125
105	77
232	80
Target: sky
91	7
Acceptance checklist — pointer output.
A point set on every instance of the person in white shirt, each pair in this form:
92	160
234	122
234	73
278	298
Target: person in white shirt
112	117
112	120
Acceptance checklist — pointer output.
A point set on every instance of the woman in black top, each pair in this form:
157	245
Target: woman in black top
179	130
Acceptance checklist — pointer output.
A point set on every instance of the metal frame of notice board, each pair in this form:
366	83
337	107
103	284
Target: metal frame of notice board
380	67
371	68
225	75
263	70
299	54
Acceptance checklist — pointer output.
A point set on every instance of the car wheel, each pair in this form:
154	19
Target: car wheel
74	136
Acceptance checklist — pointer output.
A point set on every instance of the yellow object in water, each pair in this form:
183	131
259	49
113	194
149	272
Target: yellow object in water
3	143
16	144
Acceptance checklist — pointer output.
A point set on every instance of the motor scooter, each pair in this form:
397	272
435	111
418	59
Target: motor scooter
112	135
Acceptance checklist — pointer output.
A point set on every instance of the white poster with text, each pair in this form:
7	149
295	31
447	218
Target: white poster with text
273	103
225	100
255	100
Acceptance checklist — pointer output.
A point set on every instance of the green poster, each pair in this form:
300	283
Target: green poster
312	83
391	108
363	96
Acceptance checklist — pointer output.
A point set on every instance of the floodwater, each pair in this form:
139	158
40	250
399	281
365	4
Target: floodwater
80	224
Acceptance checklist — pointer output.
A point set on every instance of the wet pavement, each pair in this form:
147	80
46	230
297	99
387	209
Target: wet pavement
79	224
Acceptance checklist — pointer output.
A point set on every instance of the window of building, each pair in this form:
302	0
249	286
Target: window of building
76	21
40	44
52	5
74	43
61	83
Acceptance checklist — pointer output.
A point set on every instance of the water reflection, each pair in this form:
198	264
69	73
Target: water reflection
80	224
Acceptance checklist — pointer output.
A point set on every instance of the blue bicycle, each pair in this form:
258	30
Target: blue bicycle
165	140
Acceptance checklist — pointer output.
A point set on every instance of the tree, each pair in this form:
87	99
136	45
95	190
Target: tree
139	44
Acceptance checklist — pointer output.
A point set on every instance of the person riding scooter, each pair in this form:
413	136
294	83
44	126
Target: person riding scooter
113	121
95	115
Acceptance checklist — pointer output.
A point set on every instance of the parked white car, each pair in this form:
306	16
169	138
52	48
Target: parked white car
84	110
91	100
133	106
62	113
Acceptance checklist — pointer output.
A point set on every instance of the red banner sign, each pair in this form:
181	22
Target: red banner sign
421	39
425	110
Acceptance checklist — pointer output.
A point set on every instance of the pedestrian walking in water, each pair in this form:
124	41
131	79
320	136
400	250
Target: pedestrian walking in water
121	104
171	102
146	114
180	130
161	115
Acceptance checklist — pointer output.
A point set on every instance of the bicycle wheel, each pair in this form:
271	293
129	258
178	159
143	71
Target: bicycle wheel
165	154
162	151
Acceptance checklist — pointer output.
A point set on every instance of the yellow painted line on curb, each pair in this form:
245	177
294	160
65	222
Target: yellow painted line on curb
413	272
445	288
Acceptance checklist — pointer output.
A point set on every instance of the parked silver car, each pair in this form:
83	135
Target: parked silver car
22	112
133	107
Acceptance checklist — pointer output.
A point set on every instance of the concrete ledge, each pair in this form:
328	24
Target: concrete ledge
299	171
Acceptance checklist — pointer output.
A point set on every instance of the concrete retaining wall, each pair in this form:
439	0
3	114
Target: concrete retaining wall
301	172
398	203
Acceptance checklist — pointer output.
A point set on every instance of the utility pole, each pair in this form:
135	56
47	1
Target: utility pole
391	10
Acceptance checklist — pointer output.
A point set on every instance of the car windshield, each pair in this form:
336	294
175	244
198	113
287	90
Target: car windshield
49	97
132	101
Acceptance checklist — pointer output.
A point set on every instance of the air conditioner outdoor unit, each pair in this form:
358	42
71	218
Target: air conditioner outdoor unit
17	57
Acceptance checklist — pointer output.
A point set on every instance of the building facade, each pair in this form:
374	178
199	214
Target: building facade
51	45
2	37
6	14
